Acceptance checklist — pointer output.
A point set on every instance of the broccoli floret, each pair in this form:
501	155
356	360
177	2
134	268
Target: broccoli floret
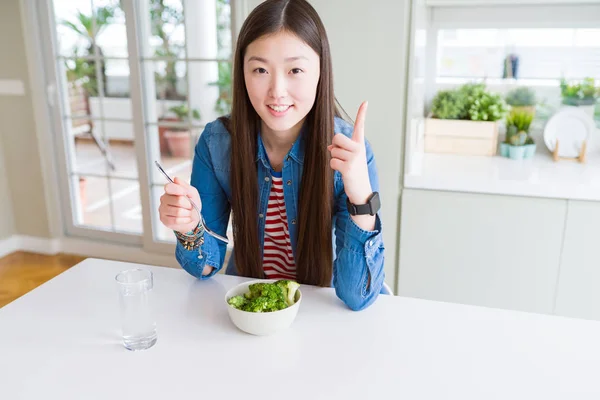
266	297
255	290
269	290
259	304
289	289
273	292
265	304
238	302
277	305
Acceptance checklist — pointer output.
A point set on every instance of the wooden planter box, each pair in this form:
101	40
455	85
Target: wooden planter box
475	138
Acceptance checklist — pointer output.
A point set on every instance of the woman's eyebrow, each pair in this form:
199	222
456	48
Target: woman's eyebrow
288	59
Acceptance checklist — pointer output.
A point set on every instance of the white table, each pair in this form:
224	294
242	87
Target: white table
61	341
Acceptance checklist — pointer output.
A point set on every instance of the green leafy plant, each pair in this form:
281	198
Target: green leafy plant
470	101
448	104
484	106
521	120
579	93
521	97
89	27
518	124
182	112
82	73
469	92
472	89
164	17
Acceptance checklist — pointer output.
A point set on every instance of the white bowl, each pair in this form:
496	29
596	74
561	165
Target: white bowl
261	324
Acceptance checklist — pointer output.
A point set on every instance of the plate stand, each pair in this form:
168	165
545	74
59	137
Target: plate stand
580	158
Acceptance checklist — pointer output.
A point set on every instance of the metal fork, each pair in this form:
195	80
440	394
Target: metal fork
206	228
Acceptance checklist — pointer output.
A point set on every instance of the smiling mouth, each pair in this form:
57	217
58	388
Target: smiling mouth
279	108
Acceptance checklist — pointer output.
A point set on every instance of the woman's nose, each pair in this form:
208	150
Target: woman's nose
278	87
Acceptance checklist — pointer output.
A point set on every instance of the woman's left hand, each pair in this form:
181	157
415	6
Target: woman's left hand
349	157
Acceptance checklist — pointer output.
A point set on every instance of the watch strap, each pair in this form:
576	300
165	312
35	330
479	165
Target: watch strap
370	208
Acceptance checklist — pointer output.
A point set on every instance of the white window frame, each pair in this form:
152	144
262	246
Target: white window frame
45	72
478	14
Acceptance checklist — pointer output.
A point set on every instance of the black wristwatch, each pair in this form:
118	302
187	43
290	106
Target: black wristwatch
373	205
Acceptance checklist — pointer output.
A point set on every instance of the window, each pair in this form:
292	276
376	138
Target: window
545	54
111	126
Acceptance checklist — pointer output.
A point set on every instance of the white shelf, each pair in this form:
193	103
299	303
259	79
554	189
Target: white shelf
537	177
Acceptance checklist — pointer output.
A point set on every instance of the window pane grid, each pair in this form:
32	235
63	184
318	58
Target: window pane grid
96	119
93	175
201	43
100	81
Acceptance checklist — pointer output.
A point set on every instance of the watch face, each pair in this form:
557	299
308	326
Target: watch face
375	203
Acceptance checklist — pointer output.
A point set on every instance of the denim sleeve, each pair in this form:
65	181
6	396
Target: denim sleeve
358	272
215	210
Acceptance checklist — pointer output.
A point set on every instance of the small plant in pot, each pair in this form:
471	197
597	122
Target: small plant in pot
582	94
464	121
448	104
518	144
522	99
482	105
178	139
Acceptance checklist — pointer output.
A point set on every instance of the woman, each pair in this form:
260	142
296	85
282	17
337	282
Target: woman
277	165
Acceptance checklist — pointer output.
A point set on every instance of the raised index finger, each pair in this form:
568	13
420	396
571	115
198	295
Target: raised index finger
359	126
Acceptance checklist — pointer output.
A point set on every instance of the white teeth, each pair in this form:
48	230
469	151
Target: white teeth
279	108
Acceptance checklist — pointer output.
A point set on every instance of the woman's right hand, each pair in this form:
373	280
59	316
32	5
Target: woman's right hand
176	211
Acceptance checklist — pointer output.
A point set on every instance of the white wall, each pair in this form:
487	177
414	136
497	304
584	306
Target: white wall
6	215
22	167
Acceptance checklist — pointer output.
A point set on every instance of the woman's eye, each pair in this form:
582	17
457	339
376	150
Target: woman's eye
296	71
260	70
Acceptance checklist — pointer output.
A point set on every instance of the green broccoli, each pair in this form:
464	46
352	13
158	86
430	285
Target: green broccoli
260	304
266	297
238	302
255	290
278	305
289	290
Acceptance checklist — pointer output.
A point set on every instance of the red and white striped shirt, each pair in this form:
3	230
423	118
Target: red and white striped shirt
278	259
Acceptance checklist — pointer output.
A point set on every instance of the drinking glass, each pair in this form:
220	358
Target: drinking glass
137	317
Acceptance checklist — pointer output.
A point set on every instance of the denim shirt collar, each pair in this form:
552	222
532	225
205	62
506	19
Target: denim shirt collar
296	152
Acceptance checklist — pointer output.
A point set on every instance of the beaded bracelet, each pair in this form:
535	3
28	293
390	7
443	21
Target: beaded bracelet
191	240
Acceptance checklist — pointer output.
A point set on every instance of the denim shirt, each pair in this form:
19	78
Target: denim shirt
358	254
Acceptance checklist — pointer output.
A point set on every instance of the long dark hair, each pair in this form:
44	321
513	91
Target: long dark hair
314	251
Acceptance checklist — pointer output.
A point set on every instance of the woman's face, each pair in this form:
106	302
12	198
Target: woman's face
281	74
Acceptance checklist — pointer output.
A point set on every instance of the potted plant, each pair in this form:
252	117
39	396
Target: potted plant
465	121
178	139
89	27
582	94
482	105
522	98
448	104
518	144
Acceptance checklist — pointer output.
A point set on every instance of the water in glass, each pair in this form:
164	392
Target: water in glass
137	317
